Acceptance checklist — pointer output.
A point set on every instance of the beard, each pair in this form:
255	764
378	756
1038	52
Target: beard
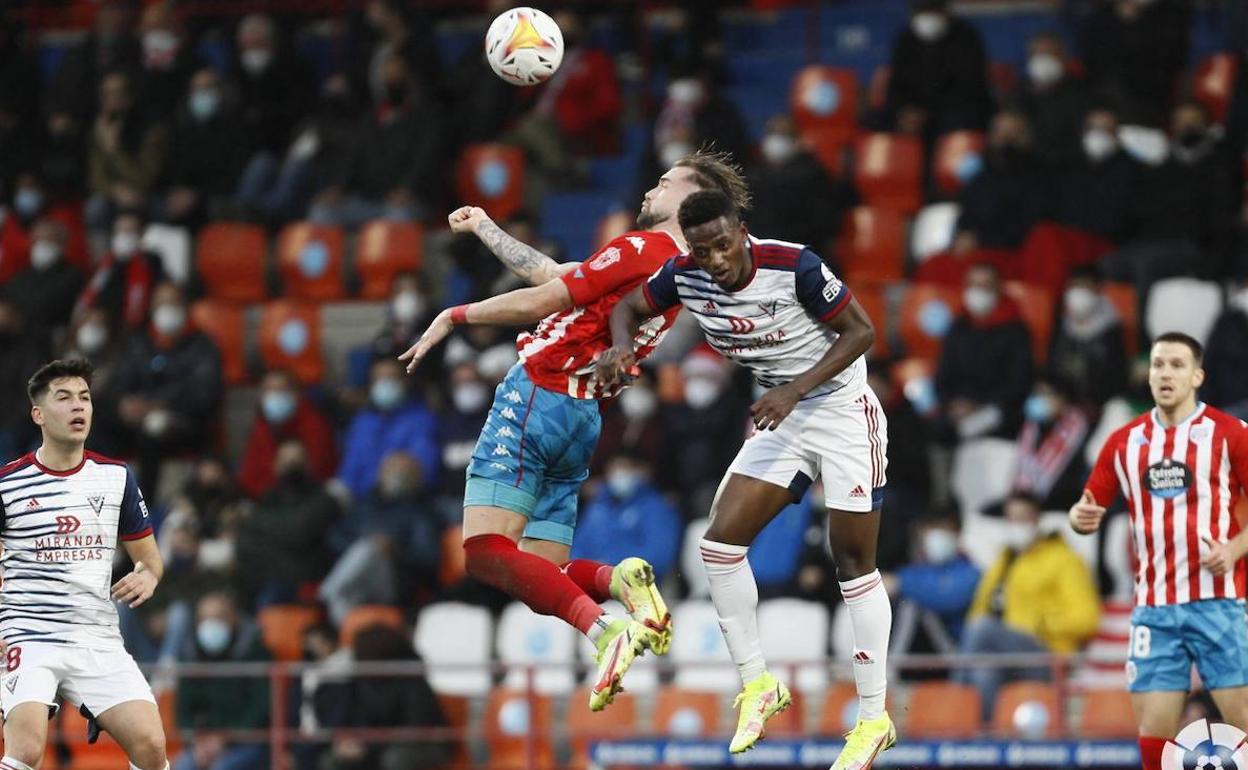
648	218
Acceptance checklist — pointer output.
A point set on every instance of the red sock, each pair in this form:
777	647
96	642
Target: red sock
593	577
496	560
1150	752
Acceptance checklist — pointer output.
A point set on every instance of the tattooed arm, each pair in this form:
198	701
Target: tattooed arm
525	261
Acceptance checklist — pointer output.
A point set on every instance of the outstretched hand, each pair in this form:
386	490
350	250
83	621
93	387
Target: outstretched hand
437	331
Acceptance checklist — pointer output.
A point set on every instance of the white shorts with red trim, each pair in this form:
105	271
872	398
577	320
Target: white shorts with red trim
839	438
100	679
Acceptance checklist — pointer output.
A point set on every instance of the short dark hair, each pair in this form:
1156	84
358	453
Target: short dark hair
705	206
716	171
1198	350
41	380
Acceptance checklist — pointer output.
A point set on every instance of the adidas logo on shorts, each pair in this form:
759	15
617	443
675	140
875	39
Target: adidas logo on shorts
857	492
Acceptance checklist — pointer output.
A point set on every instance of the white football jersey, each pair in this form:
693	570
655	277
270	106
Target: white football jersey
60	530
776	325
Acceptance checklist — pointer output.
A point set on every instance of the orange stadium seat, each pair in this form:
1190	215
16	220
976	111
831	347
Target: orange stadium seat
1037	307
871	246
491	176
952	150
104	754
585	726
369	615
226	325
385	249
457	709
230	259
888	171
1107	714
1214	82
515	724
290	338
943	710
877	88
1127	304
875	305
926	313
282	627
686	712
1016	694
840	709
309	259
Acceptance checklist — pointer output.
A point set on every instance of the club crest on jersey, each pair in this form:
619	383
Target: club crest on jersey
97	504
1168	478
1201	432
770	308
11	684
606	259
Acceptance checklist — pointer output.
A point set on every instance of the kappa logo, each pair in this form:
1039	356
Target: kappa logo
97	503
499	466
606	259
501	451
67	524
514	396
509	413
857	492
637	242
505	432
741	325
1201	431
770	308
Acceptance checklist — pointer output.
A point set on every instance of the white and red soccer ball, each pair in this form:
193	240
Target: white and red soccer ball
524	46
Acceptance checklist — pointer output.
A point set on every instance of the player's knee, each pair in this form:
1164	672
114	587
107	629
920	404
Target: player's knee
148	751
852	560
27	749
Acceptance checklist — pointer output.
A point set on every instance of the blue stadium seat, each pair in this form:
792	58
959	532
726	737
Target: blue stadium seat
570	219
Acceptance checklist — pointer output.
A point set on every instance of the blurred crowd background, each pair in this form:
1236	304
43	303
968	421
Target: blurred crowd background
236	211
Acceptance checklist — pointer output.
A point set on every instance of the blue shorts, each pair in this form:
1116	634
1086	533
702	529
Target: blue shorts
1167	640
533	455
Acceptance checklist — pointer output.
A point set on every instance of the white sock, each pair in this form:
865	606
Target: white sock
136	767
9	763
736	602
871	617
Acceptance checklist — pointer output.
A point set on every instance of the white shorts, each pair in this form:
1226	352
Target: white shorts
34	672
843	441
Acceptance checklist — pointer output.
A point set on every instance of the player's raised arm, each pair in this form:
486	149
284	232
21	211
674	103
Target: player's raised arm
528	263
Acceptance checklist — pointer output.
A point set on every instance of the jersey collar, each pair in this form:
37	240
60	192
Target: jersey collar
1198	411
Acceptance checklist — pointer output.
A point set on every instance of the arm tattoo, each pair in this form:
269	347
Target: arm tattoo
525	261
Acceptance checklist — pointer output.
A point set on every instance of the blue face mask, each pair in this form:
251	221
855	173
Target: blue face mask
386	394
203	104
1038	408
27	201
278	406
213	635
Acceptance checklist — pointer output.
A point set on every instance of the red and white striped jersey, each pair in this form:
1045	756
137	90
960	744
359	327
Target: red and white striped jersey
560	353
1181	485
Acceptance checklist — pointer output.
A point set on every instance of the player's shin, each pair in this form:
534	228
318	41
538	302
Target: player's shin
735	595
871	617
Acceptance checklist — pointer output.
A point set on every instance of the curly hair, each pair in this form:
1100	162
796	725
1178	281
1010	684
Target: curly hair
717	171
704	206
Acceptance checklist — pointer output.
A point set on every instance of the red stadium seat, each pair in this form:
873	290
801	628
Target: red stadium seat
384	250
943	710
1107	714
1037	306
686	712
366	615
888	171
1016	694
1127	304
282	627
517	724
309	258
226	325
491	176
877	89
1214	83
584	726
230	258
875	305
871	246
926	313
290	338
952	150
835	718
824	104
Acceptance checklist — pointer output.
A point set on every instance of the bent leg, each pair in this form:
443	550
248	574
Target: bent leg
25	736
137	728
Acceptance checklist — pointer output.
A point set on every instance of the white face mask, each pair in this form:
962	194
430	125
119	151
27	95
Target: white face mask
929	25
407	307
1044	69
213	635
701	392
256	60
685	91
91	337
470	397
623	483
638	403
674	151
1239	300
1020	534
44	254
1099	144
1080	302
777	148
125	243
169	319
979	301
939	546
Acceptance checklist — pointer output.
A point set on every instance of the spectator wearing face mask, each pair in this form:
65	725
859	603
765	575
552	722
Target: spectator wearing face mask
45	292
1037	597
1051	446
389	543
284	538
1095	190
399	160
459	425
627	516
20	355
127	275
1134	51
217	502
168	385
1087	352
126	157
933	591
168	60
985	369
1054	99
938	76
632	420
1226	356
274	85
92	336
31	203
408	314
206	704
394	420
1002	202
285	414
209	150
793	194
110	45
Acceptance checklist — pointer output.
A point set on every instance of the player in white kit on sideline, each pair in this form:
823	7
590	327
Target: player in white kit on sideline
777	309
63	511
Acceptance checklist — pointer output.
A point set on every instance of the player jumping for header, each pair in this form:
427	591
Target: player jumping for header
64	509
1181	467
777	309
534	451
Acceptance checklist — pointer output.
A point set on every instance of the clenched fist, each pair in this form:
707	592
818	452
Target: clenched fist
1086	515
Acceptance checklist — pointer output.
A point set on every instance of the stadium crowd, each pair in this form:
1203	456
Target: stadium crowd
1097	165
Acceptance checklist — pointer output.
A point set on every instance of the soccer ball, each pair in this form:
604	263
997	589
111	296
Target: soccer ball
524	46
